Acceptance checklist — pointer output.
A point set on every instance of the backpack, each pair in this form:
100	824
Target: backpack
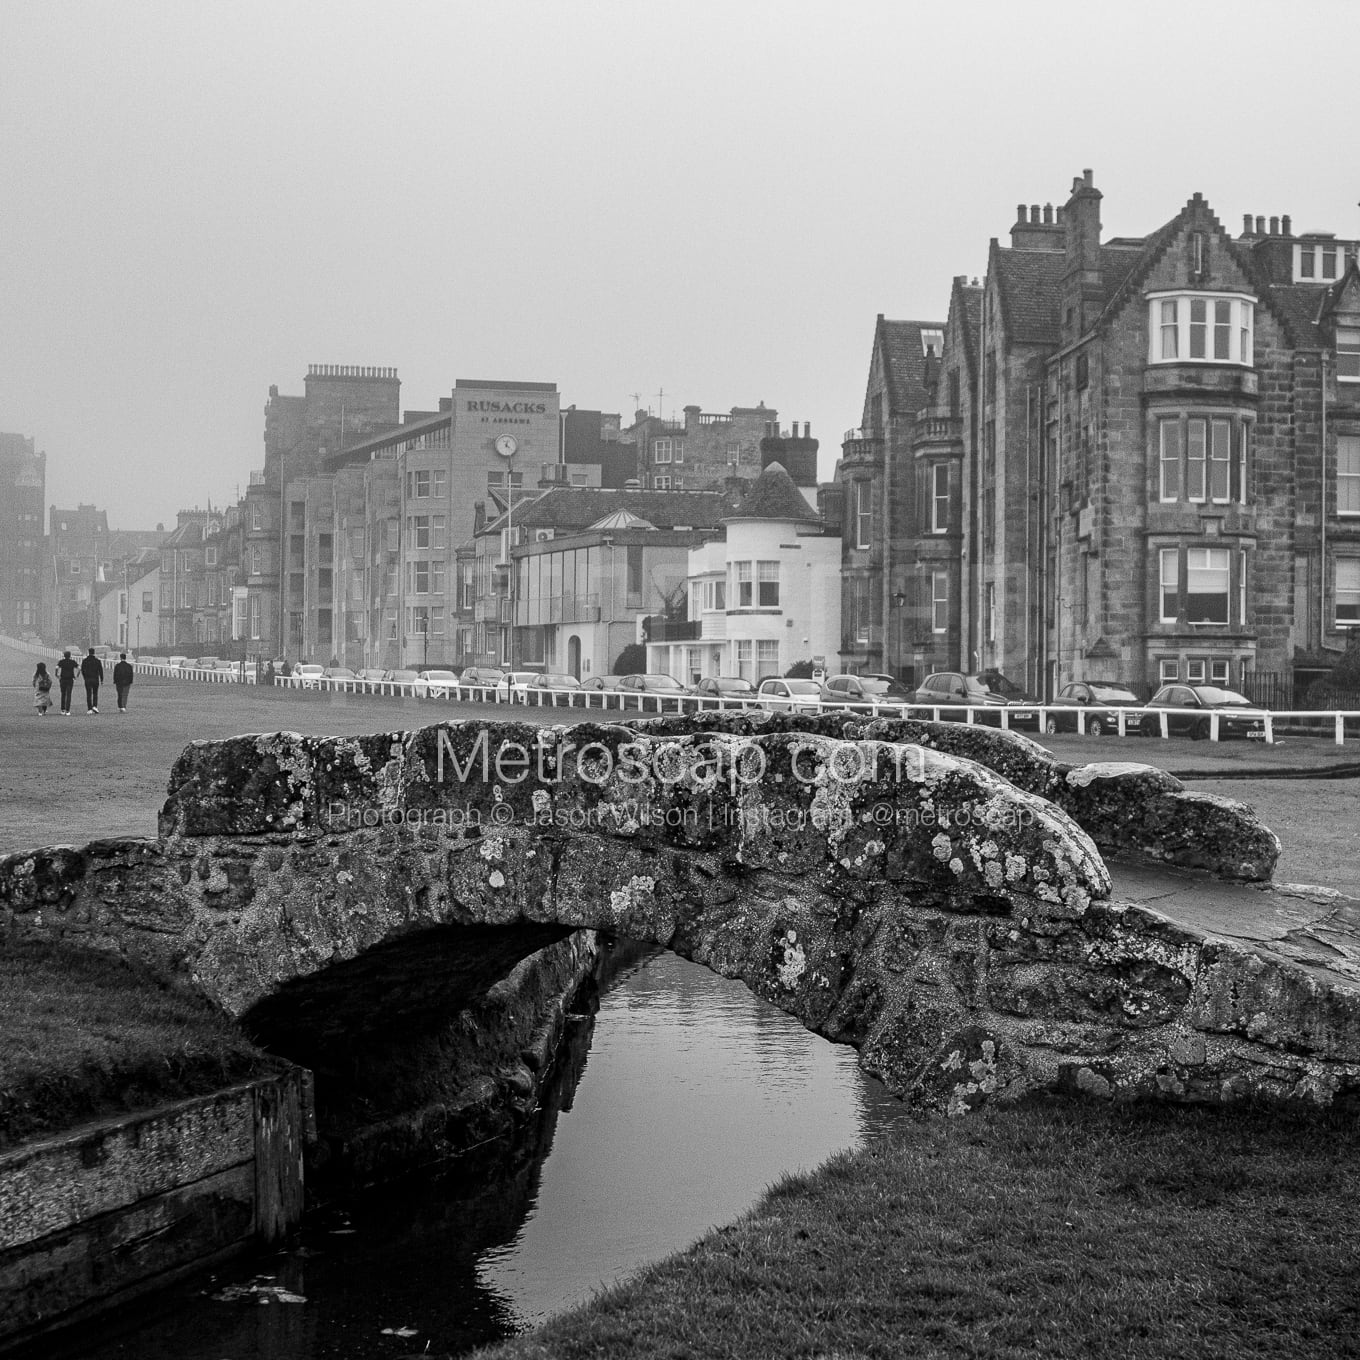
44	683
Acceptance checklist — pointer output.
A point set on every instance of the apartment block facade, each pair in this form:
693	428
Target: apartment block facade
23	483
1159	446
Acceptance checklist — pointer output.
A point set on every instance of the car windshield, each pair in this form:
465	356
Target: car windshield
402	677
998	684
803	686
733	684
440	675
876	686
1211	694
661	682
1114	694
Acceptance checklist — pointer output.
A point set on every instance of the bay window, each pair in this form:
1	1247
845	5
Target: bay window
863	513
1202	459
1169	590
939	601
1206	585
745	585
939	499
1201	328
767	585
1348	354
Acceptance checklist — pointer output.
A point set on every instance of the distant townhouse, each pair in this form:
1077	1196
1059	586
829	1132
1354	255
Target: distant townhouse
762	594
702	451
23	477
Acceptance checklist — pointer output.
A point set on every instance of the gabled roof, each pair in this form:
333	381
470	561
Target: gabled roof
1028	285
966	305
773	495
904	362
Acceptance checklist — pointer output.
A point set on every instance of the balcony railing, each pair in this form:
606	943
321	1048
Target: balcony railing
936	430
862	446
673	630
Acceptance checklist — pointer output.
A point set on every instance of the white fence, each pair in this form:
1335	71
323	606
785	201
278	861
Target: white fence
1311	721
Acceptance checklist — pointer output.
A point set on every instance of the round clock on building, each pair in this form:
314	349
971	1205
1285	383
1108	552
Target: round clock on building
506	445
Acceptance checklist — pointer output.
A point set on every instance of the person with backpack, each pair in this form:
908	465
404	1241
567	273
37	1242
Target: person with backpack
66	681
42	689
122	680
92	672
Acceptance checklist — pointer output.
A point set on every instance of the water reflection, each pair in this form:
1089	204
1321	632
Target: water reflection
686	1102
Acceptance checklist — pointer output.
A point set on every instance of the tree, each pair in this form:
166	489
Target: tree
632	660
800	670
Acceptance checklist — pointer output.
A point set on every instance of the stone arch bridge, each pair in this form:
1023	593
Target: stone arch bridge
935	895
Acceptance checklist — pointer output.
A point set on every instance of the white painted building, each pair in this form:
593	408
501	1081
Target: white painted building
764	595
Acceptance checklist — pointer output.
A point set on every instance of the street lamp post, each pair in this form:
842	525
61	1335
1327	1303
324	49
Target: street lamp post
426	630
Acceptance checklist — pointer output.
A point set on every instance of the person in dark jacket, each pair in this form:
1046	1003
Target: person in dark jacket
66	680
92	672
122	680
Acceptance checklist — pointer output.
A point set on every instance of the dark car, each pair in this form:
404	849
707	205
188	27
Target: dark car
952	692
486	676
723	691
1097	696
1237	717
868	694
657	693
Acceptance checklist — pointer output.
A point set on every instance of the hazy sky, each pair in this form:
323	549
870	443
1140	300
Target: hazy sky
710	200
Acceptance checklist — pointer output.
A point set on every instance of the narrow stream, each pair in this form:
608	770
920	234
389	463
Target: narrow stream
689	1098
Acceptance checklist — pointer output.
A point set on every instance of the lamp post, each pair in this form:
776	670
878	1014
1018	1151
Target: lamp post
899	600
426	630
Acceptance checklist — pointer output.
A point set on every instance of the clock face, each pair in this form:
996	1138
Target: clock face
506	445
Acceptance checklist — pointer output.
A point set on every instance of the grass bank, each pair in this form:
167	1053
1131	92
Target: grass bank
84	1034
1057	1229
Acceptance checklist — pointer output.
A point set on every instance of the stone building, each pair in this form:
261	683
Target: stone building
1162	479
23	483
702	451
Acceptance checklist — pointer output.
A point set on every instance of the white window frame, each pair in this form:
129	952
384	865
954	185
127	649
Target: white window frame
1219	672
1168	584
939	502
1310	261
1168	671
1347	603
1196	668
1165	492
1204	561
745	585
767	656
1220	324
661	483
661	451
767	585
1220	461
939	601
1348	475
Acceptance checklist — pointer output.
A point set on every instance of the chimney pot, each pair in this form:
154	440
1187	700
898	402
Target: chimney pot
1285	226
1246	224
1048	214
807	429
1021	213
1089	178
1274	226
1034	214
1260	226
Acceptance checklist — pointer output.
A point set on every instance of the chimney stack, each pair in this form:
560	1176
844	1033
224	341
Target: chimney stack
1021	213
1048	214
1260	226
1285	226
1246	224
1274	226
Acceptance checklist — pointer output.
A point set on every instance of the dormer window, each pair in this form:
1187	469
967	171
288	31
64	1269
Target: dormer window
1319	261
1200	328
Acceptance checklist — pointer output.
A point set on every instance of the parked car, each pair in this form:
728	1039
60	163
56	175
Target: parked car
308	676
952	692
790	696
1238	717
1096	694
176	663
723	691
481	675
370	678
436	684
554	683
513	687
868	694
401	677
655	693
340	674
601	682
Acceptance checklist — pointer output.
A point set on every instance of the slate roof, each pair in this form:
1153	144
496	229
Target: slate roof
1029	285
773	495
904	362
573	509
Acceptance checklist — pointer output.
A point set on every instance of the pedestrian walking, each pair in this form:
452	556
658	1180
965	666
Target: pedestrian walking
122	680
66	681
92	672
42	689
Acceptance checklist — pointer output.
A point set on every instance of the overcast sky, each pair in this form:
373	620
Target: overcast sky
713	201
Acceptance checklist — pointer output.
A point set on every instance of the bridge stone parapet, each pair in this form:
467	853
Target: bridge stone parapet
930	893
